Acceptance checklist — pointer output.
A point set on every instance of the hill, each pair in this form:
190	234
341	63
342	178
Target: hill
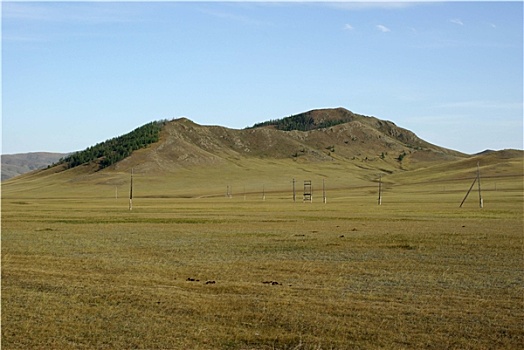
21	163
353	138
359	142
189	160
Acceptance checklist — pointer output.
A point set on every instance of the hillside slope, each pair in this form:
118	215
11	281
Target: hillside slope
21	163
492	164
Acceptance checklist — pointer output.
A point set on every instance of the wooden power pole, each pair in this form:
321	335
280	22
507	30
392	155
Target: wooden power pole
481	201
324	198
477	179
380	190
131	192
294	192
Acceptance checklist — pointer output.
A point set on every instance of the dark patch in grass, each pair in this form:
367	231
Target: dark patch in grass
403	246
137	221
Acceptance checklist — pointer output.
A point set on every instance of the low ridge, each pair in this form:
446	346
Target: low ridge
21	163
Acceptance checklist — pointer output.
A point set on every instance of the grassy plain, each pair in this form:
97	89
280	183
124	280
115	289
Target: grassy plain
209	272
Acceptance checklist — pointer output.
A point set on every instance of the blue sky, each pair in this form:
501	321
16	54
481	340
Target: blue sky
75	74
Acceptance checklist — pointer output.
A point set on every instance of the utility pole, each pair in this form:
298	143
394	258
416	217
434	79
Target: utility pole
294	192
131	192
380	190
477	179
324	198
481	201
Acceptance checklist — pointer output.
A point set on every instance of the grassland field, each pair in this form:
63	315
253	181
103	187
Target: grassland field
81	271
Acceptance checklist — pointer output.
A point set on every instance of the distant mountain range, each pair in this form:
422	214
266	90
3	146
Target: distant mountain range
21	163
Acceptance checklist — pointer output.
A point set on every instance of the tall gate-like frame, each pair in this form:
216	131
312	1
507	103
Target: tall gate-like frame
308	191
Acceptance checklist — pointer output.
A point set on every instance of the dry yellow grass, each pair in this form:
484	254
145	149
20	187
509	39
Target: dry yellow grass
79	271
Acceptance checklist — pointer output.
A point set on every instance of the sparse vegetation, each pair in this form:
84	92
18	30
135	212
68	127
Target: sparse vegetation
401	156
331	148
205	272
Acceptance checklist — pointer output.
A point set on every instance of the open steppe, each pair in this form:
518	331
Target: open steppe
188	268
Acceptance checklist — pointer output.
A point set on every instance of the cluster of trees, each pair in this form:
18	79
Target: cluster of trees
302	122
114	150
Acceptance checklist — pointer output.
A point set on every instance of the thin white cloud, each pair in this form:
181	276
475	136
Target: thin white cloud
18	14
457	21
383	28
72	12
348	27
23	11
